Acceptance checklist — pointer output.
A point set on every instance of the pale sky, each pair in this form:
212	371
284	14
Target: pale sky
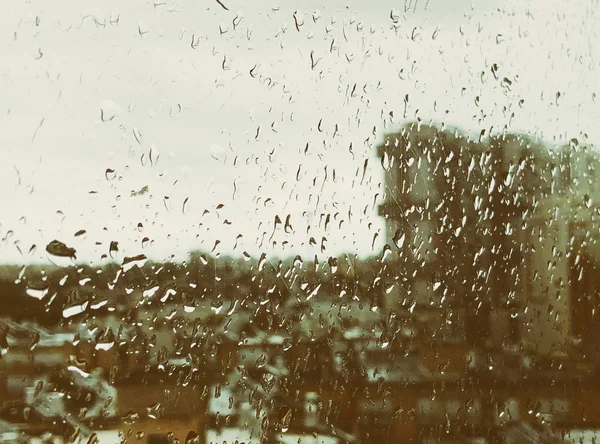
177	76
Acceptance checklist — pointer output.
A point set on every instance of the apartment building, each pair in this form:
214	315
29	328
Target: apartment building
490	226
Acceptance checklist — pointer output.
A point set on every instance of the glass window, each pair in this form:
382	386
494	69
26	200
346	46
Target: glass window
299	221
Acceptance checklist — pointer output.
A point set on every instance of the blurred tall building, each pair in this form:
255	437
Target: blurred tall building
487	229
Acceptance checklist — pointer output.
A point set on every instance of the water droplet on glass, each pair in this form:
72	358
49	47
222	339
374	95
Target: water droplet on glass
135	261
131	417
137	136
63	280
286	420
387	250
105	341
167	203
148	293
109	110
218	153
37	292
60	254
74	309
113	249
333	264
110	174
262	261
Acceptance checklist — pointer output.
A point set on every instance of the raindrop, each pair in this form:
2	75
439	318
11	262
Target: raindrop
109	111
131	417
506	83
167	203
313	293
238	237
110	174
113	249
99	304
398	239
218	153
137	135
262	261
106	340
38	389
148	293
216	307
167	294
141	192
494	70
143	29
192	438
74	310
232	308
37	292
59	253
288	226
286	420
387	250
387	161
574	144
189	304
260	361
135	261
333	264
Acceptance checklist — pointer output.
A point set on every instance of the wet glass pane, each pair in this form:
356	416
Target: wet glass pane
299	222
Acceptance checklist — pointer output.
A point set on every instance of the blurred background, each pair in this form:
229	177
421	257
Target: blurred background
299	222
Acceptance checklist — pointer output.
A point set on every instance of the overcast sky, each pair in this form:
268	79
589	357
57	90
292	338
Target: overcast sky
186	118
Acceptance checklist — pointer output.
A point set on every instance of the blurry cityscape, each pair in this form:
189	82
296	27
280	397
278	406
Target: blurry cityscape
476	323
